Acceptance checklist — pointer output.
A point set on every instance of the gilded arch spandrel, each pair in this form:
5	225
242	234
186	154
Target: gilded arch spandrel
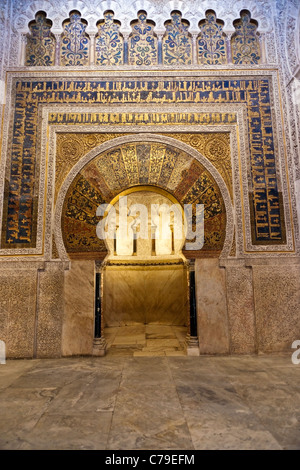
206	173
108	174
214	146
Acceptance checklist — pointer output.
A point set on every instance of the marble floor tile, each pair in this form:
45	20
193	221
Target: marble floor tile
143	371
175	353
23	407
162	343
149	353
8	375
170	436
159	332
277	407
70	431
232	437
121	352
126	402
180	333
129	341
147	340
163	425
91	395
54	377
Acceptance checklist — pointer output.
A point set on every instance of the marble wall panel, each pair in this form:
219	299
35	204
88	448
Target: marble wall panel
277	306
240	304
78	323
211	307
145	294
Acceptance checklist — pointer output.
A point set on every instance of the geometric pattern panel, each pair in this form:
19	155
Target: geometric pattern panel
245	46
74	42
177	42
20	205
142	46
134	164
40	46
108	41
211	41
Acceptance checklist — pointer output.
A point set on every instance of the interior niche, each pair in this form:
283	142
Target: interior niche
145	277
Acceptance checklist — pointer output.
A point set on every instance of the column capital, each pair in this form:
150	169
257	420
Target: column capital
229	35
100	265
191	264
24	37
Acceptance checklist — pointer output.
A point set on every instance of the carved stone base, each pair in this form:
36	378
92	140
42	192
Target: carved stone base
192	346
99	347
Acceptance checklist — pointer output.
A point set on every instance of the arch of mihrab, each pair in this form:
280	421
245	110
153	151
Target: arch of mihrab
203	127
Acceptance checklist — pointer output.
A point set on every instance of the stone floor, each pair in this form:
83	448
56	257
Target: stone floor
156	403
146	340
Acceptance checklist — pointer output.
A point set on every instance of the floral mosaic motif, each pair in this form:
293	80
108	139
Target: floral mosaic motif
211	42
109	41
177	41
40	47
75	41
245	42
142	47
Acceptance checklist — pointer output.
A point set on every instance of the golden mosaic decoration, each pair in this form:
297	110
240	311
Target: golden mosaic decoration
215	147
72	147
139	163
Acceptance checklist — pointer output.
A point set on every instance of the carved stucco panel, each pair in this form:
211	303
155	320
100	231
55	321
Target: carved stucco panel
18	311
277	300
50	310
241	315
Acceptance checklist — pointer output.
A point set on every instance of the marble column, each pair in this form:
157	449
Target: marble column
99	343
22	58
126	46
261	39
228	47
92	49
195	49
57	49
159	47
192	336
